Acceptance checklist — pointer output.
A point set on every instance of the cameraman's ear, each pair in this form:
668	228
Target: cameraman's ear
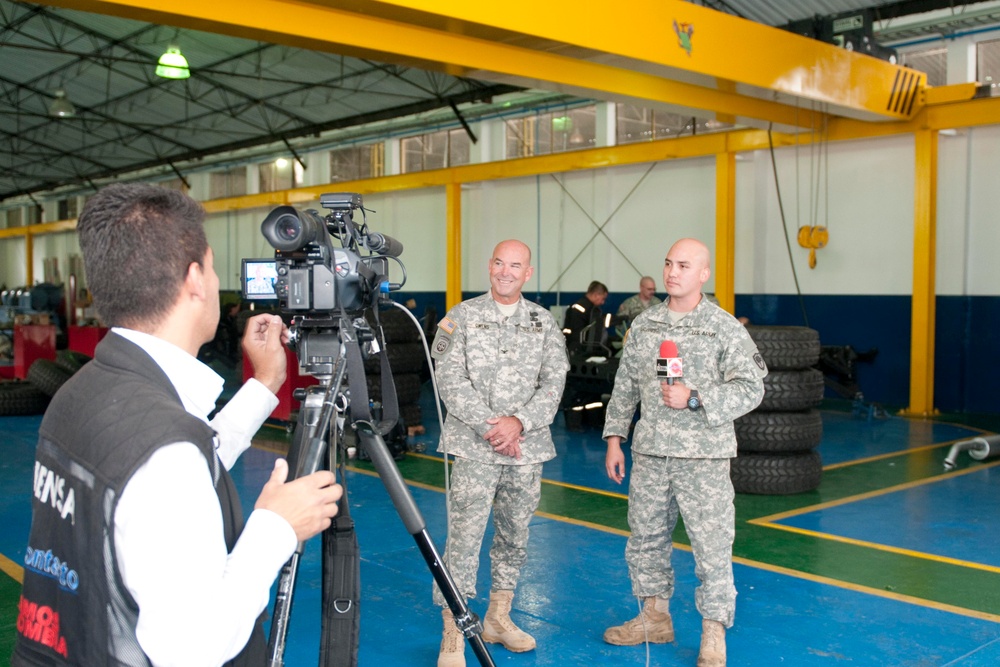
194	280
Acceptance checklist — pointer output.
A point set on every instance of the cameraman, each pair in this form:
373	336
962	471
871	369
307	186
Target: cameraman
138	552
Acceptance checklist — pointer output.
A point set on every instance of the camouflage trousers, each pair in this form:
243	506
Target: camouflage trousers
512	492
703	492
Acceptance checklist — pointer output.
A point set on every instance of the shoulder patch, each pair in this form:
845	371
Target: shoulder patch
751	349
447	325
441	345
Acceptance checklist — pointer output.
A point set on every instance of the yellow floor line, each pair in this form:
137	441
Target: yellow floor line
873	494
882	547
909	599
11	569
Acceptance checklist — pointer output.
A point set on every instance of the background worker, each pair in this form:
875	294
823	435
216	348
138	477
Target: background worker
584	320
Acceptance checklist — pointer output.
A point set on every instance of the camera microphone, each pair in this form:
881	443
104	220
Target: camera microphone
383	245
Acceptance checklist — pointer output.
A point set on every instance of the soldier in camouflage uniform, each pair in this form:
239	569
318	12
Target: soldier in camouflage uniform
501	366
635	304
681	449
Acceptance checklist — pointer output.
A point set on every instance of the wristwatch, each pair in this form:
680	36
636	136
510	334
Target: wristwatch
694	402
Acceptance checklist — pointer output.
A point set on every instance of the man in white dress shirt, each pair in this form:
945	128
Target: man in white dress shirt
138	552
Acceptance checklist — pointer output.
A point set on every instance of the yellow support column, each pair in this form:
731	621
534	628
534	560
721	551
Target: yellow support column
725	230
453	227
29	253
924	272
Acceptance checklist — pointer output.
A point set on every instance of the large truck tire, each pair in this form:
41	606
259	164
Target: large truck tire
776	474
71	360
47	376
18	399
779	431
786	348
792	390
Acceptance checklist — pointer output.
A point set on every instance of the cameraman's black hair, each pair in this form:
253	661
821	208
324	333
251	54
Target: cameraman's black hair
138	241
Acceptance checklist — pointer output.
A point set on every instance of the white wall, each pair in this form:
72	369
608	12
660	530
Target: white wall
865	201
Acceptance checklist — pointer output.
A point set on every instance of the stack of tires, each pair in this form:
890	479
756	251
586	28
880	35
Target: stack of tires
777	441
44	378
407	362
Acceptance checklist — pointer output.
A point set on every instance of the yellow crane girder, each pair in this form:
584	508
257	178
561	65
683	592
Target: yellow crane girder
666	52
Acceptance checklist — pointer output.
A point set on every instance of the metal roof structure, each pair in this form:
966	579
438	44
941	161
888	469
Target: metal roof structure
244	93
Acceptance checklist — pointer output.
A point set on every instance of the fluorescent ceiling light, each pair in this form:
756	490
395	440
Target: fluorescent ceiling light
173	64
61	107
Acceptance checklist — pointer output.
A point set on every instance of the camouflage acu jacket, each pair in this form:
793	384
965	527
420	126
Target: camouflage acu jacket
489	365
720	361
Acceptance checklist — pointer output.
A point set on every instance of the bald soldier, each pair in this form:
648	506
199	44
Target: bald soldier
501	366
635	304
681	450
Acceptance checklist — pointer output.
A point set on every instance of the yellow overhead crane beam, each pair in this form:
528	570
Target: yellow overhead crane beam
666	52
684	42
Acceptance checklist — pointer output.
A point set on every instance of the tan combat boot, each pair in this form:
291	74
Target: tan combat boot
652	623
499	629
713	644
452	642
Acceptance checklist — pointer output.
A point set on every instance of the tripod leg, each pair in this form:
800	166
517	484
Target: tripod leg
413	520
306	455
282	611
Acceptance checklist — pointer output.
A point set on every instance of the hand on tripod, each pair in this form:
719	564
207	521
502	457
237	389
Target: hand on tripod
307	504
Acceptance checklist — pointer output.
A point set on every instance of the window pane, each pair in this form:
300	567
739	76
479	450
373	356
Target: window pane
436	150
173	184
934	62
228	183
67	209
520	137
638	124
14	217
459	148
413	154
353	163
988	62
633	124
276	176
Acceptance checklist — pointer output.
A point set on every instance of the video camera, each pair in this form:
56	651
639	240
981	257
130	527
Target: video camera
310	277
323	287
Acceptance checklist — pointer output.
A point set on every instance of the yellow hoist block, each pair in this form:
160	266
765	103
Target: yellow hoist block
813	238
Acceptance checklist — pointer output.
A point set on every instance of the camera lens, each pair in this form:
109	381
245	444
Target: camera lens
288	228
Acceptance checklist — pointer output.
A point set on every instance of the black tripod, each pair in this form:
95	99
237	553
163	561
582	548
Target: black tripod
326	355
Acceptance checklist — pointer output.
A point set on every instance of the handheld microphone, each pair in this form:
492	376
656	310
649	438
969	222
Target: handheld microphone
669	364
383	245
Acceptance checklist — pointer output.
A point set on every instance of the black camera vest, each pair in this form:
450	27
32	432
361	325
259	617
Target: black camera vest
105	422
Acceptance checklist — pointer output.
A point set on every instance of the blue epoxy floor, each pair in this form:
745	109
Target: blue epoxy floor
575	583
